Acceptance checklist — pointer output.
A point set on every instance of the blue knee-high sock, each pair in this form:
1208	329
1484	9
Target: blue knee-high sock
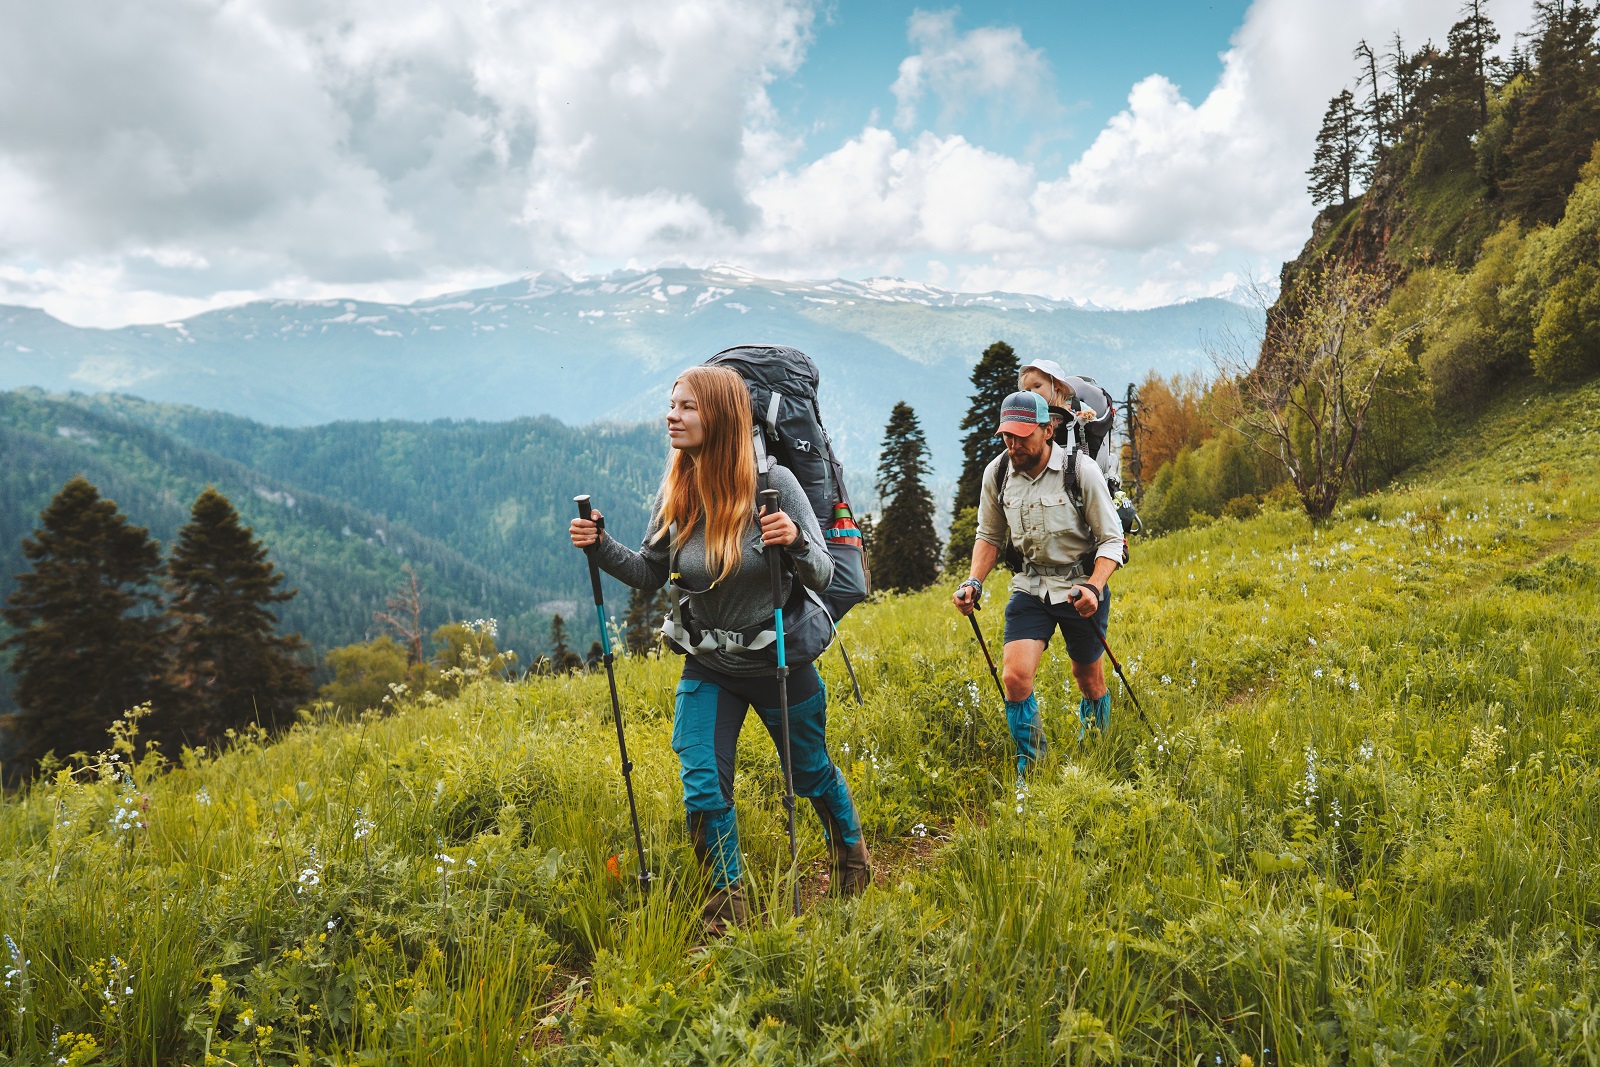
1096	713
1022	717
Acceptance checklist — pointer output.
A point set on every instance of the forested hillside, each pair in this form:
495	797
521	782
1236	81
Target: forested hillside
500	493
584	350
478	510
1456	257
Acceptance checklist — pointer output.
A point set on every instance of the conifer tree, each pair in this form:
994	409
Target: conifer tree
1559	119
641	624
1405	74
403	616
994	377
90	641
1338	152
905	549
231	666
562	659
1472	38
1378	102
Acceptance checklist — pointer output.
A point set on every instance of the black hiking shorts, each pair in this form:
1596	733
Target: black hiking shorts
1030	619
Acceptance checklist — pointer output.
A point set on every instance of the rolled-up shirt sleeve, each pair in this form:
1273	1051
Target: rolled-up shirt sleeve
991	513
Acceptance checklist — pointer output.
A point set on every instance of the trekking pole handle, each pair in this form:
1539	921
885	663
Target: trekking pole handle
769	505
584	511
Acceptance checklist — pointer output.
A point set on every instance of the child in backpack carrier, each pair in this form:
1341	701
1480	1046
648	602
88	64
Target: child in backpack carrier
1090	408
708	539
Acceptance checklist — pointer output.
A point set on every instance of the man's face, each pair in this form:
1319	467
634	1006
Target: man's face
1027	450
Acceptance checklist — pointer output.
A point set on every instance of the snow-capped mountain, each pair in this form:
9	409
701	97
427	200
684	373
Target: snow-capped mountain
585	349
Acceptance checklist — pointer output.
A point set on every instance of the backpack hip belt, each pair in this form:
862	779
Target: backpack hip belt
680	629
697	642
1054	570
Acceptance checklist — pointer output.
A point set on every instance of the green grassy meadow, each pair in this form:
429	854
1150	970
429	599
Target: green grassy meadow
1363	832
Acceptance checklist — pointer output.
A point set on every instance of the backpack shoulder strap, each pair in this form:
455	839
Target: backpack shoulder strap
1069	481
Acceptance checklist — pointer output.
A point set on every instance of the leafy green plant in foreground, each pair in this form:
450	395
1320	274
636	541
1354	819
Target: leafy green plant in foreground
1363	834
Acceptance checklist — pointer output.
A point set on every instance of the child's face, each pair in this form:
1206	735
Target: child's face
1037	381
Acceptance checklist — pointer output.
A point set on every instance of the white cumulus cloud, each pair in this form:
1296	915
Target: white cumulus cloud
990	63
164	156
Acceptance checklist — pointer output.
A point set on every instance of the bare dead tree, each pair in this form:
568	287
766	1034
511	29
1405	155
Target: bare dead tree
404	616
1304	401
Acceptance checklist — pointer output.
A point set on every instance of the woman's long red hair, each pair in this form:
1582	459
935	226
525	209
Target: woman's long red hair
718	484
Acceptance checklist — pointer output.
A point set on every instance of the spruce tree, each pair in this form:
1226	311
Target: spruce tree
403	616
90	639
1338	154
1378	102
1559	120
905	549
562	659
641	625
994	377
231	667
1405	74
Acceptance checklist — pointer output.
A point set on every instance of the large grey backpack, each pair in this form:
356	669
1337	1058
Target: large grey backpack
788	429
1099	437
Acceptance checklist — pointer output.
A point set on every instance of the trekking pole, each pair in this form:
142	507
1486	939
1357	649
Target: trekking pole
769	502
978	632
848	669
584	511
1072	595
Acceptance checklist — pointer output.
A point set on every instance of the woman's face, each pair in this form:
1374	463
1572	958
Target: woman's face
684	429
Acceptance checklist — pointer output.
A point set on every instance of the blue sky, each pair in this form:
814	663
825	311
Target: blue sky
1095	52
164	157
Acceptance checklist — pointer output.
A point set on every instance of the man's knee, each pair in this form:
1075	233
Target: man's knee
1018	681
1091	678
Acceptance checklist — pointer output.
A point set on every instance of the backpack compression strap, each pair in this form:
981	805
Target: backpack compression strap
681	630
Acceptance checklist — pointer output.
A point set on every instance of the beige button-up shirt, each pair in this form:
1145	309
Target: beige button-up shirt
1041	520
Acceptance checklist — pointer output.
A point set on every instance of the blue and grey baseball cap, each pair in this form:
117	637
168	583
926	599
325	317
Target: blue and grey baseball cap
1022	411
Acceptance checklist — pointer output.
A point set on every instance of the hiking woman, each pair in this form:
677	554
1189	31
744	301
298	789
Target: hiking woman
705	526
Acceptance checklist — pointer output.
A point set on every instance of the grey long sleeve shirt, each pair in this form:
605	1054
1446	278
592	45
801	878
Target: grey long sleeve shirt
744	598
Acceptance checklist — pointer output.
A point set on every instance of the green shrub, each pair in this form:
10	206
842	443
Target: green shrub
1566	341
364	675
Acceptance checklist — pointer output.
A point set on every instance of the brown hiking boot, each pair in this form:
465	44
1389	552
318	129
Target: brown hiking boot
850	866
724	908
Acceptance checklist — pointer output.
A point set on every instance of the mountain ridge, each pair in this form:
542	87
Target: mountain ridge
533	346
